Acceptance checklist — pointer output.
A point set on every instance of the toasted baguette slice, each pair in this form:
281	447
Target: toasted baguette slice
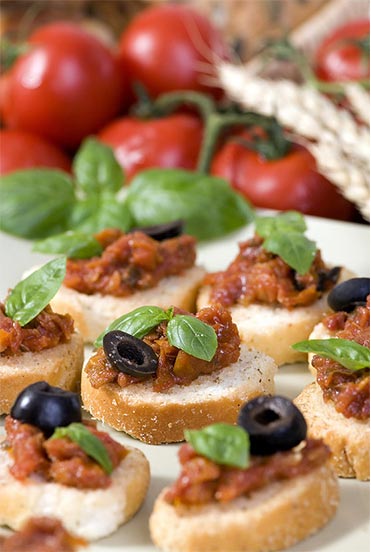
273	329
273	518
348	438
60	366
157	418
93	313
90	514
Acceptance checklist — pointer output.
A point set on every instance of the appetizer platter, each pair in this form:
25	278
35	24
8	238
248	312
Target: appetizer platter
341	243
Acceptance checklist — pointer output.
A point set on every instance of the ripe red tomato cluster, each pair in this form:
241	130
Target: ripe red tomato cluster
69	85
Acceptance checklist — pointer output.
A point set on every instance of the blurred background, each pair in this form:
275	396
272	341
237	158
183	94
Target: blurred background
245	23
305	62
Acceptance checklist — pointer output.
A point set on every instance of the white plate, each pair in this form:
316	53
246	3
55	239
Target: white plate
341	243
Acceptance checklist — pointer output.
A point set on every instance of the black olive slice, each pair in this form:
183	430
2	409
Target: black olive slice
273	424
350	294
129	354
164	231
46	407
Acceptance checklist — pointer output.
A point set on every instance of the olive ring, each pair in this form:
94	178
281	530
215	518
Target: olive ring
273	423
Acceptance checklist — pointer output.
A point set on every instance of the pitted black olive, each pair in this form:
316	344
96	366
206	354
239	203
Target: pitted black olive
46	407
164	231
129	354
349	294
273	424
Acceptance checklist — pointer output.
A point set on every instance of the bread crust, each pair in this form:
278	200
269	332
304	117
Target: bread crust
273	518
162	417
60	366
90	514
348	438
272	329
93	313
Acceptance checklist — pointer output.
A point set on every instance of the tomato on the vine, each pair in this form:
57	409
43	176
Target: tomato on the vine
169	47
66	86
289	182
344	55
168	142
23	150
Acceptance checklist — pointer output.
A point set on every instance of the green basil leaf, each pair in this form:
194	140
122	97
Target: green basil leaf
97	213
73	244
137	323
89	443
290	221
35	203
31	295
294	248
347	353
96	169
192	336
207	204
222	443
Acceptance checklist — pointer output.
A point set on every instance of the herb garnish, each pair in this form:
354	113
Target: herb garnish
348	353
89	443
31	295
284	236
223	443
185	332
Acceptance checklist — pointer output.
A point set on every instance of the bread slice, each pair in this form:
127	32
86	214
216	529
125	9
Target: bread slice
93	313
60	366
348	438
273	518
273	329
90	514
157	418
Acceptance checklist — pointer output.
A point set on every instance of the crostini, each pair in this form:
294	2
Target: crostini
36	342
260	486
52	463
132	270
275	288
159	372
337	404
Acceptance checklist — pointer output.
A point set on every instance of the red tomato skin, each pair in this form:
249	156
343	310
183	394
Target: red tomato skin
23	150
66	87
171	142
166	46
337	59
289	183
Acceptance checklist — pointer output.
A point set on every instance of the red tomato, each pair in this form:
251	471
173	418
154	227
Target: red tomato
169	142
24	150
166	48
340	59
67	86
283	184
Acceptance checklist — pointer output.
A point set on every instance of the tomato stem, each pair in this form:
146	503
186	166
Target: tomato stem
171	101
274	147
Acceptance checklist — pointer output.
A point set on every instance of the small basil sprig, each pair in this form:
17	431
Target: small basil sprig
137	323
187	333
207	204
89	443
38	203
347	353
31	295
193	336
73	244
284	236
223	443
